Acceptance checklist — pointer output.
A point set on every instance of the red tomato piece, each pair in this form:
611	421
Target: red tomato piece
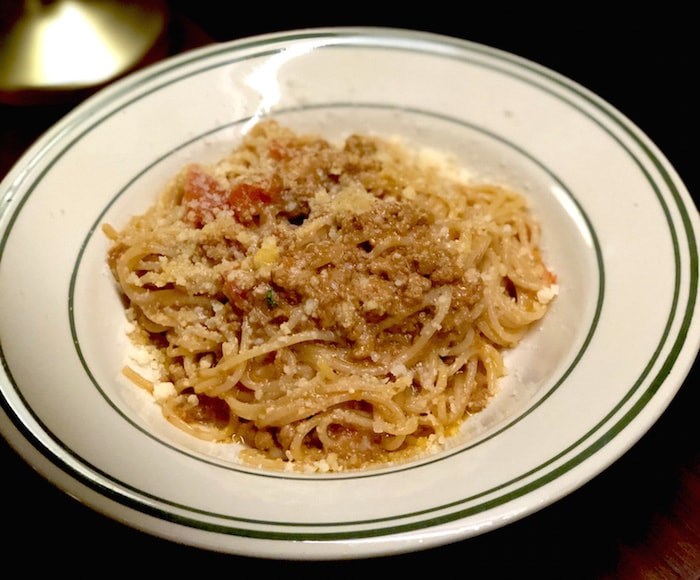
203	194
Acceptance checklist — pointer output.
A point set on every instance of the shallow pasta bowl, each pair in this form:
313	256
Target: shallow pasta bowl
567	411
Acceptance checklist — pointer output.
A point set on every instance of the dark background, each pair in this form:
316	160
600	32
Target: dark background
638	519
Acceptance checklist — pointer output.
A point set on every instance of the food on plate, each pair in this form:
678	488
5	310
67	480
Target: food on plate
327	306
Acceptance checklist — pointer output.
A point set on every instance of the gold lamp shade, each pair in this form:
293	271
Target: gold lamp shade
54	48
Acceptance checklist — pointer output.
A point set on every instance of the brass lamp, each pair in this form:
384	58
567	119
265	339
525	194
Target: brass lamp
51	50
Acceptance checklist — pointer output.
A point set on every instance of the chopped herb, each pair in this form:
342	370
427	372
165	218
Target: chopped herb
271	299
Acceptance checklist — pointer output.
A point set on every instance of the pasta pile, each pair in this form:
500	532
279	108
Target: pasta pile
330	307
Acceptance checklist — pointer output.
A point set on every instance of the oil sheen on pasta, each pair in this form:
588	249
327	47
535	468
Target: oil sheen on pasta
328	306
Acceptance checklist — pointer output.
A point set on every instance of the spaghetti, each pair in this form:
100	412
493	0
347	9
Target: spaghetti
329	307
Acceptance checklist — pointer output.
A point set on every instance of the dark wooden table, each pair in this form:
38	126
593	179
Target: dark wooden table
638	519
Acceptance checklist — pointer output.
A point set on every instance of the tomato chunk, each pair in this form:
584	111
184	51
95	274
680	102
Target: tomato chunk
203	195
247	195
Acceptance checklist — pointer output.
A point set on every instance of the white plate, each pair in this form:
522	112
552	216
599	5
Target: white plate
620	230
